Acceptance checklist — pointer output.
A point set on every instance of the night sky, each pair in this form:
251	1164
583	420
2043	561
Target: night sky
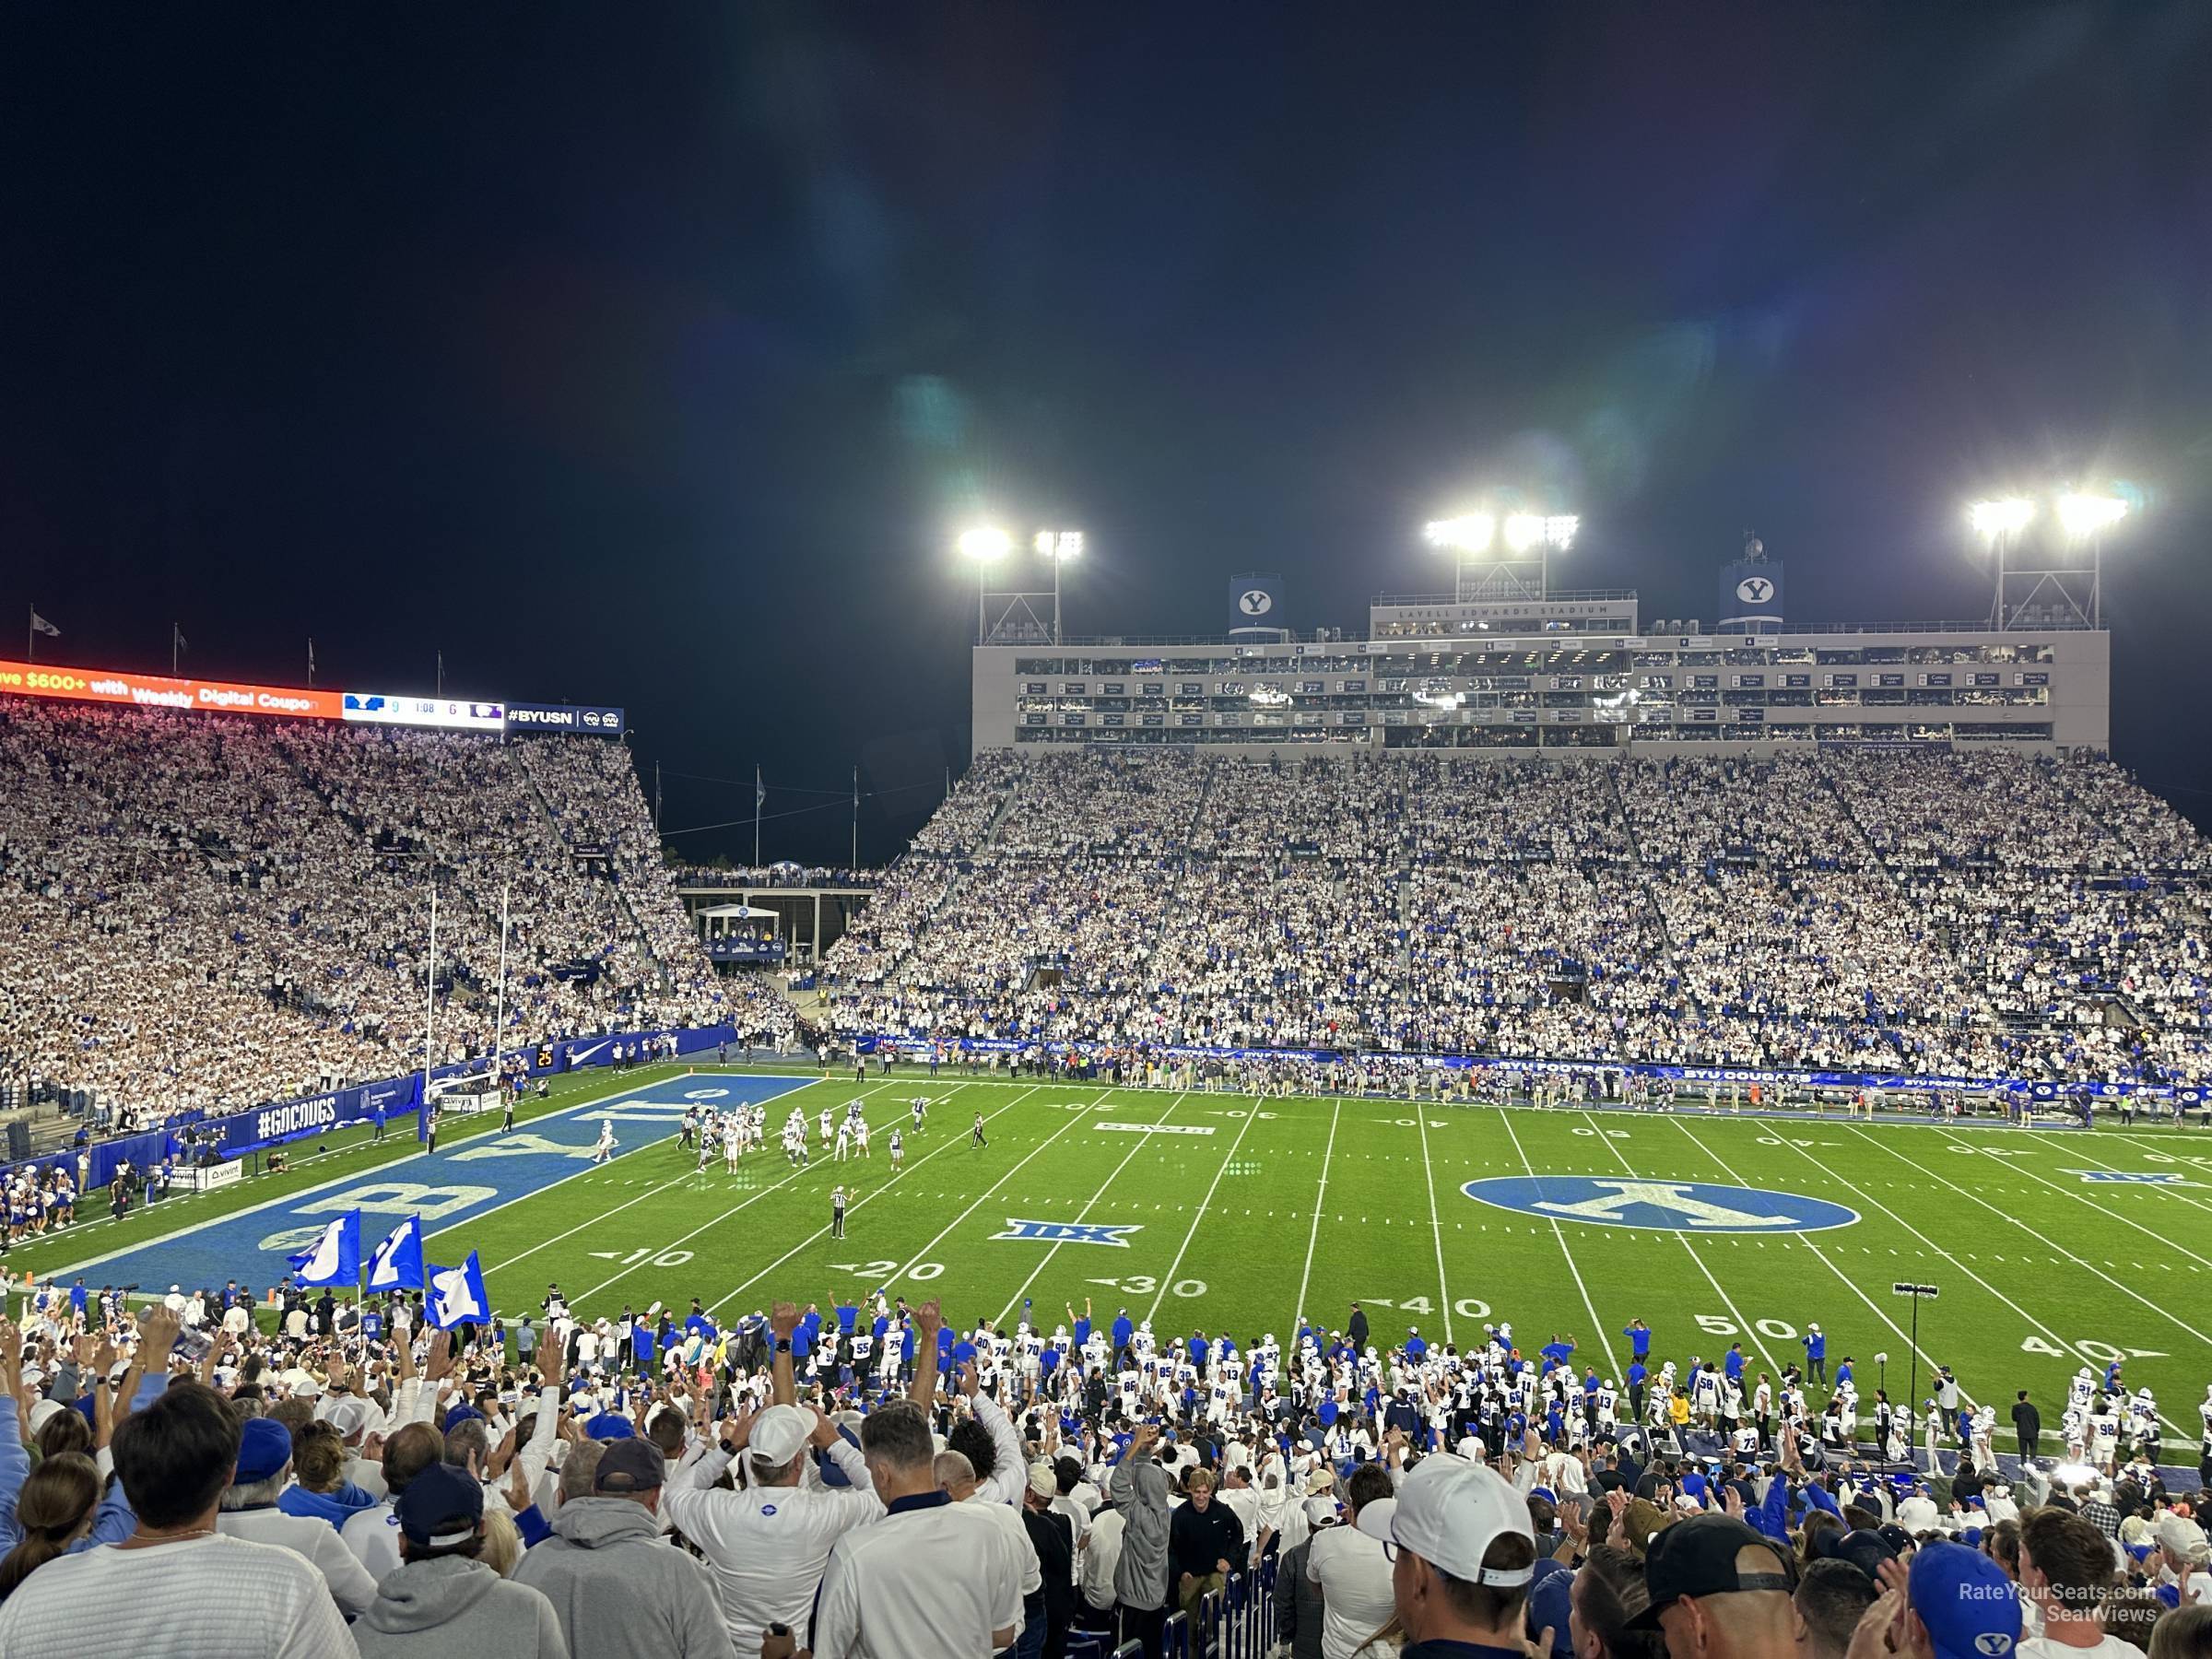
654	355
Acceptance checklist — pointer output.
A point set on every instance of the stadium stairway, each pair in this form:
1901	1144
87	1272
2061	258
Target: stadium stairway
1651	902
637	928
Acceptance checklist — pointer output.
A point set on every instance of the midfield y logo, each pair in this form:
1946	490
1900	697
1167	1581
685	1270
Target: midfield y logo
1660	1206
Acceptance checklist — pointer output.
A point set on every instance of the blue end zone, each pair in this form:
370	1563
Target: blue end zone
463	1181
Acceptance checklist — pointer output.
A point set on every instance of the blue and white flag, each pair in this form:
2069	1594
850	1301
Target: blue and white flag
396	1263
457	1295
335	1257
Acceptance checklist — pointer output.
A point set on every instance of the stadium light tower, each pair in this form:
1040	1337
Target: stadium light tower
2061	581
1999	523
1522	571
986	545
1060	547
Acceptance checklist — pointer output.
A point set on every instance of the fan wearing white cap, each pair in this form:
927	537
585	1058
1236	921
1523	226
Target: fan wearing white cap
767	1542
1462	1554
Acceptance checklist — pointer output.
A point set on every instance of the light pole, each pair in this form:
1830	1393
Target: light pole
1528	538
1999	523
986	545
2085	518
2058	575
1469	533
1059	546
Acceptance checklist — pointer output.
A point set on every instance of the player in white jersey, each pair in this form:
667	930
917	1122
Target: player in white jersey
732	1143
860	1136
918	1106
844	1142
606	1149
828	1132
2104	1437
898	1152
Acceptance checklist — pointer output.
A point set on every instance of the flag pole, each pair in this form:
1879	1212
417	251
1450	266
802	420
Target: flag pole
430	1002
311	661
855	864
176	639
759	795
499	1024
31	637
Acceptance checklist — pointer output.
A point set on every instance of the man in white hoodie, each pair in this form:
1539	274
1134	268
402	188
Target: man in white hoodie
249	1510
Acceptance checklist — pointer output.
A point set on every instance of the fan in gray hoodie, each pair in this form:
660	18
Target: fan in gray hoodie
620	1589
442	1600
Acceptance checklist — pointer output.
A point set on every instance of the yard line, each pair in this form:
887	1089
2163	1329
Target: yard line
1299	1312
2070	1193
2153	1186
1506	1116
823	1231
1141	1142
1436	1222
1805	1239
649	1192
1749	1329
2040	1239
1251	1117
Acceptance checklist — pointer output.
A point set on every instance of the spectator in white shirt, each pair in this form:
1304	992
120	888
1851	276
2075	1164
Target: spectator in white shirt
931	1579
1353	1572
767	1541
249	1510
177	1586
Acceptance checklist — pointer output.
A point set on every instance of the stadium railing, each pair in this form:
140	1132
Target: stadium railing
1237	1621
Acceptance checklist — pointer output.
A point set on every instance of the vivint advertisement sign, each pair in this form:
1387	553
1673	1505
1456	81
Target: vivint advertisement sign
372	708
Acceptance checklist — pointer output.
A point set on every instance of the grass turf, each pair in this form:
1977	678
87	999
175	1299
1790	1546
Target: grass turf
1311	1204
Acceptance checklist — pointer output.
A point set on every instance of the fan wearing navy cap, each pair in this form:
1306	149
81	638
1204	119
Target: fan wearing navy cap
1462	1556
1719	1589
619	1591
443	1598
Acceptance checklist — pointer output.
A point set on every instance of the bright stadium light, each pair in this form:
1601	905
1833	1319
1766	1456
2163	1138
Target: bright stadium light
2083	517
1469	533
1058	544
2006	516
985	545
1526	530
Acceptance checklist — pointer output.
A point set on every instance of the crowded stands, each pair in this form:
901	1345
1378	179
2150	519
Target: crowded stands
209	911
1983	915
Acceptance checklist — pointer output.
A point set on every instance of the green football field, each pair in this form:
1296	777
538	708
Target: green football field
2051	1249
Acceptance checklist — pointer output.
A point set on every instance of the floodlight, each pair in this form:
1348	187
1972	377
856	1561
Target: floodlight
1560	528
1523	531
2009	516
1058	544
2082	516
984	545
1470	533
